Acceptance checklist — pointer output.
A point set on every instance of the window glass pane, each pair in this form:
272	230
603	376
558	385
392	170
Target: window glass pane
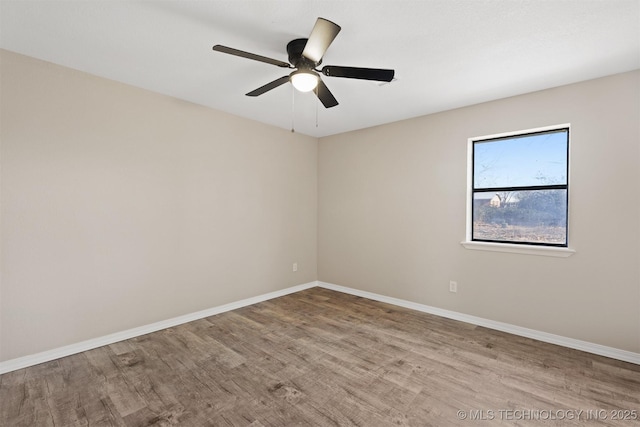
532	216
539	159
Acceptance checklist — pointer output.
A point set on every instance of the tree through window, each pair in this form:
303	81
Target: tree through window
520	188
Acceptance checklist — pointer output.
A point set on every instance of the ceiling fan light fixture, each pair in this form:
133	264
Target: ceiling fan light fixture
304	80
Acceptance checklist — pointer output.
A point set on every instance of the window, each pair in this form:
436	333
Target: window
519	188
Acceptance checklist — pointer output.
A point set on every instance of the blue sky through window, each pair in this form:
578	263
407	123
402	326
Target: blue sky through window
539	159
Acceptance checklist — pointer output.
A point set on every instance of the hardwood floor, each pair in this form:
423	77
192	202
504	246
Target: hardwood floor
324	358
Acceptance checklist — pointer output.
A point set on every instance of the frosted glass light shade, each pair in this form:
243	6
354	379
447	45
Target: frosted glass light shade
304	81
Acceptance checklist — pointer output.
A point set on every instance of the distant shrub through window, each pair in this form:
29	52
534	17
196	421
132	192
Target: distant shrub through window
520	188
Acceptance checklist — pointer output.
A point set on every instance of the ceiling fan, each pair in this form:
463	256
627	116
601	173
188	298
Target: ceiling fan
304	56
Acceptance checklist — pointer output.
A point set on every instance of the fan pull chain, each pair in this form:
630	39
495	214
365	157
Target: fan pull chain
317	102
293	108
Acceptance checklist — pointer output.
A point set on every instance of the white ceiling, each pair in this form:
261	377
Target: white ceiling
446	53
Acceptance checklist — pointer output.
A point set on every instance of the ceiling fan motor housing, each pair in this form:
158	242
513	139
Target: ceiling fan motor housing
294	50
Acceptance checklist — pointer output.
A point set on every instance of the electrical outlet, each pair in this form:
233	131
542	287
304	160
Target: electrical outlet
295	266
453	286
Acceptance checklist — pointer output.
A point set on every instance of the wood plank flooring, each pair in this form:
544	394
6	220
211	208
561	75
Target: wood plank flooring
324	358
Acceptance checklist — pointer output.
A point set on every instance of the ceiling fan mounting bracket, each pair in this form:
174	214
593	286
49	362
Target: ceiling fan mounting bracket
294	50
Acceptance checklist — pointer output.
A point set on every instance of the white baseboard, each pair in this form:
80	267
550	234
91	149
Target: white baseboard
46	356
614	353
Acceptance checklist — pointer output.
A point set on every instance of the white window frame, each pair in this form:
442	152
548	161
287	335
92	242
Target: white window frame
511	247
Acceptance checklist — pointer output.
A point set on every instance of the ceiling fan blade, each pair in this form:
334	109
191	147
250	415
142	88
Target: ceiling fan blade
378	74
243	54
266	88
319	40
324	95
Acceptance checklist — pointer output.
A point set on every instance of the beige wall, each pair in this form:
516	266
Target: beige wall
392	205
122	207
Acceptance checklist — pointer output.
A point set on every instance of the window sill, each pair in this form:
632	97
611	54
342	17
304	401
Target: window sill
519	249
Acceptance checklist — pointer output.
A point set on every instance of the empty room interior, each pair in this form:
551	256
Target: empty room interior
443	229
